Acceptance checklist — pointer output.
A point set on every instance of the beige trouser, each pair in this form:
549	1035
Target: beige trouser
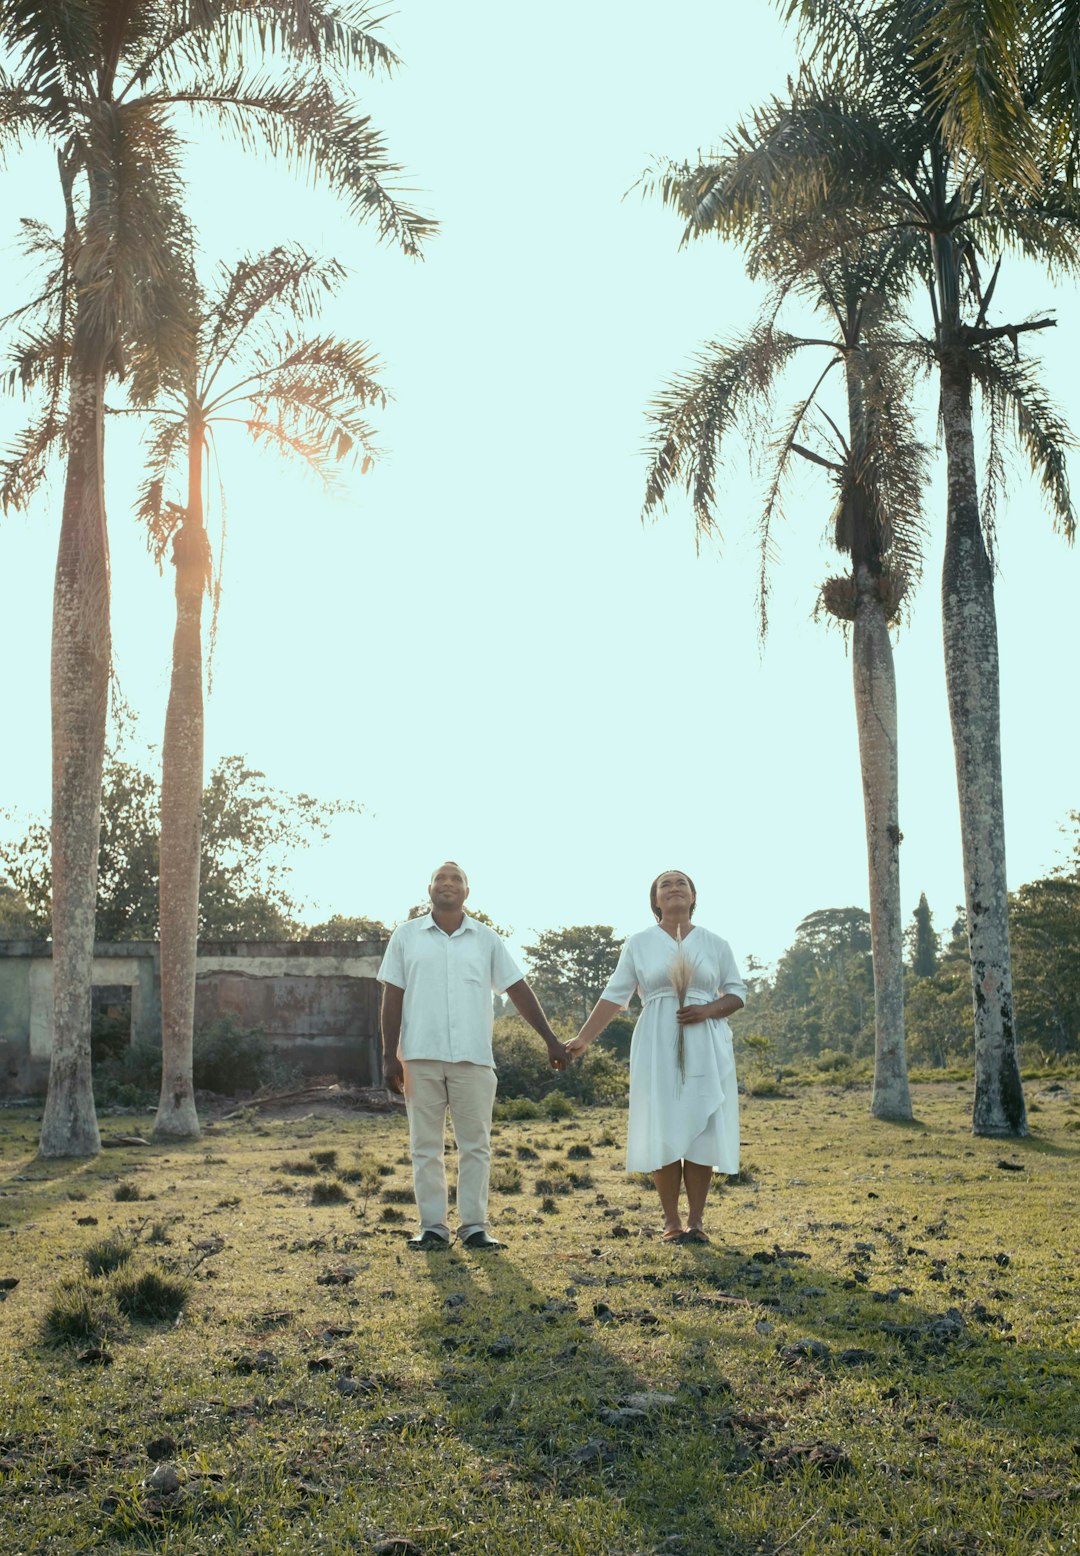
468	1090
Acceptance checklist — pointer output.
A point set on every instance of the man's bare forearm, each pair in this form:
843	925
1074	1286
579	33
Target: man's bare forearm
390	1019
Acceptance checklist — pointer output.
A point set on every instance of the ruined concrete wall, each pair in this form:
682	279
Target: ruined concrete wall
15	968
316	1000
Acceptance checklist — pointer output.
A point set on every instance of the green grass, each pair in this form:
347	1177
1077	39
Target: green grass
324	1389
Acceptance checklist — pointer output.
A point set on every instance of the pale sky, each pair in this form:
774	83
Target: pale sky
479	640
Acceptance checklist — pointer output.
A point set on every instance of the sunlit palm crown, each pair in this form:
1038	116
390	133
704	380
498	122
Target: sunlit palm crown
113	85
254	366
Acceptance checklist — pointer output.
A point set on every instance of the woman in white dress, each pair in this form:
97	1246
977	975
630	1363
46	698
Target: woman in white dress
684	1119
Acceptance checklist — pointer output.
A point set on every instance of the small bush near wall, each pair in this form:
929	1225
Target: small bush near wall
228	1059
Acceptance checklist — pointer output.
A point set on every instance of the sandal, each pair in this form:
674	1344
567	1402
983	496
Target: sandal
673	1237
693	1234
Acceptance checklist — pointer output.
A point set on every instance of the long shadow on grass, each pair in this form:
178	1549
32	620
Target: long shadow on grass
537	1390
547	1384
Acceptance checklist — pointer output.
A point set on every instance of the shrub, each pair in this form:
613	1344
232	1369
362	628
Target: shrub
108	1254
524	1072
830	1060
557	1105
328	1192
324	1158
81	1309
616	1037
152	1297
228	1058
579	1153
506	1179
126	1191
129	1078
516	1108
545	1187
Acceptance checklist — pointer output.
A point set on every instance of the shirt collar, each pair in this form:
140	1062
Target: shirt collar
467	923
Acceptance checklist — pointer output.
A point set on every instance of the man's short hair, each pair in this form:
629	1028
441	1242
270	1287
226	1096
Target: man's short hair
456	866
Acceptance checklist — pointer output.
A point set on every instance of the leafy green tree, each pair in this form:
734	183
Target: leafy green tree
252	833
820	998
1045	928
922	941
16	919
569	968
864	126
343	927
253	365
106	83
834	934
939	1012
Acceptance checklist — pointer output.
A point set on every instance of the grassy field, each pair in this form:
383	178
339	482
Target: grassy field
878	1352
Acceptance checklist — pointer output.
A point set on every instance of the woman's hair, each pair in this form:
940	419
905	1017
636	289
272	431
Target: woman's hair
652	894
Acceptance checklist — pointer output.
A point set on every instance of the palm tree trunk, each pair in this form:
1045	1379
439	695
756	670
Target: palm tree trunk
81	653
181	817
875	711
972	678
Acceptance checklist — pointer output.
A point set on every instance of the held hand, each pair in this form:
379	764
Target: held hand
575	1048
558	1055
393	1075
690	1015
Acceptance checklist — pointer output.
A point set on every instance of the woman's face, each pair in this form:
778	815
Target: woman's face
674	894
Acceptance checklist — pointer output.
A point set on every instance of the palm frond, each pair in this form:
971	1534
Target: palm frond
1012	391
304	122
56	46
165	457
693	416
25	463
284	283
193	36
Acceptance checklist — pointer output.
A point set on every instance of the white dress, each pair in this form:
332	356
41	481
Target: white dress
693	1118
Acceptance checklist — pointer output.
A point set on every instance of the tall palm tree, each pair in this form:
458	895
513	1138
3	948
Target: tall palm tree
107	83
252	367
868	133
878	472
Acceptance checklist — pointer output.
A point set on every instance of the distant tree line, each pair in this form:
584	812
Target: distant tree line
818	1005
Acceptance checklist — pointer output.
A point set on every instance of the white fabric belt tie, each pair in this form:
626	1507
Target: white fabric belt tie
705	996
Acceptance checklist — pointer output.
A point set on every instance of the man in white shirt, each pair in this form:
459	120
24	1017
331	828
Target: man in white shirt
438	976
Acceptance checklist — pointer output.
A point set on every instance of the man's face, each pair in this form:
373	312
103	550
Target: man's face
448	888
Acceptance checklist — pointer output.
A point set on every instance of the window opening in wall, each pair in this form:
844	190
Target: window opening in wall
110	1021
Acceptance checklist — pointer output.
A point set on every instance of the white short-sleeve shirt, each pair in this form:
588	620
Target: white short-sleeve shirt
448	981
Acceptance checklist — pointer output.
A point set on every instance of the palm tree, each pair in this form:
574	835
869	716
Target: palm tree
105	82
878	472
252	367
870	136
